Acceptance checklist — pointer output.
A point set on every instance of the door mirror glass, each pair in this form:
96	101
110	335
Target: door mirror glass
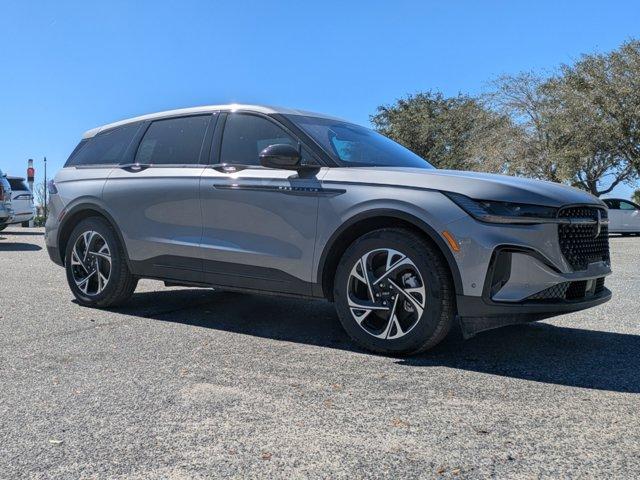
280	155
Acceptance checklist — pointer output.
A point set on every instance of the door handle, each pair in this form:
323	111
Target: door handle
228	167
134	167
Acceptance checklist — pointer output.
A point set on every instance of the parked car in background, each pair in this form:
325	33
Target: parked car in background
21	200
6	212
280	201
624	216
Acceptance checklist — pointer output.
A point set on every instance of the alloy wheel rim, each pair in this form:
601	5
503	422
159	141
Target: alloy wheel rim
386	293
91	263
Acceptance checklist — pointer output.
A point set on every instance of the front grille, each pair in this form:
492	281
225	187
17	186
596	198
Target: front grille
557	292
578	243
576	290
570	291
599	285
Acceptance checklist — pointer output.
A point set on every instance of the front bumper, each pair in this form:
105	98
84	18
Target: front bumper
477	314
518	273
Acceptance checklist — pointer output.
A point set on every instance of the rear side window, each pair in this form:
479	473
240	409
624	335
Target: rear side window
175	141
245	136
18	185
106	148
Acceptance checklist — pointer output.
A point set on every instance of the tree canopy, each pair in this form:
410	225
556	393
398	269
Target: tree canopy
580	125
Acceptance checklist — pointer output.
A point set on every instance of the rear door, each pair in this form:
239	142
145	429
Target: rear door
616	217
154	197
259	223
85	173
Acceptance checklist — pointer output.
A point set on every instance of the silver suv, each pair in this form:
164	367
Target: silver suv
261	199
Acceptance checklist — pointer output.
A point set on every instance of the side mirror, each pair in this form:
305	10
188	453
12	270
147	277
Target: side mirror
280	155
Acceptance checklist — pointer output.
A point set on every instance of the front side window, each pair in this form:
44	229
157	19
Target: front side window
355	146
624	205
106	148
174	141
245	136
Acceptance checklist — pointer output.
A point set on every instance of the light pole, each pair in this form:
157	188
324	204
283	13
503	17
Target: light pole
30	176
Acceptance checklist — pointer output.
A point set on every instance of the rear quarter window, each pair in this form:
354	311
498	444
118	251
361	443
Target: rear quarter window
18	185
106	148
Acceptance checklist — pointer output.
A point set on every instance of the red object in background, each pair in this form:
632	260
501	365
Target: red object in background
31	172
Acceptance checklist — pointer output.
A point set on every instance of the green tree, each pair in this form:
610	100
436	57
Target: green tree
452	132
581	125
636	196
525	100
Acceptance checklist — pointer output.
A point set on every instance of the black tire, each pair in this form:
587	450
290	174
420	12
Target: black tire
121	284
2	227
439	312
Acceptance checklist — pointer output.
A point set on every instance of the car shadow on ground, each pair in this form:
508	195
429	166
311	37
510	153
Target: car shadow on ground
9	246
538	352
28	233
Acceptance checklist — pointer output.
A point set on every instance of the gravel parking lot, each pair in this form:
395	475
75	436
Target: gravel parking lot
191	383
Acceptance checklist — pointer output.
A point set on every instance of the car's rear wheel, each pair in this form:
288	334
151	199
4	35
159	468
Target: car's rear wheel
393	292
97	270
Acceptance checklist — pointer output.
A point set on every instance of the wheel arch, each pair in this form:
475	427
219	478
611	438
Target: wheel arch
75	216
365	222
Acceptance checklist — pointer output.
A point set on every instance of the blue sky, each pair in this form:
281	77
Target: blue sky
68	66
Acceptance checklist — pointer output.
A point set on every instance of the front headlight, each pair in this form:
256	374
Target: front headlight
504	212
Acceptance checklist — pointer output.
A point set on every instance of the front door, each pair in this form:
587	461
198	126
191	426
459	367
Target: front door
630	215
259	223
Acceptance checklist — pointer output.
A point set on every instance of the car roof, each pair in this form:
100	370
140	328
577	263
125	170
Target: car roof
231	107
15	178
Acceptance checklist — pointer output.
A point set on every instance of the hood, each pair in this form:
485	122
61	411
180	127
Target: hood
479	186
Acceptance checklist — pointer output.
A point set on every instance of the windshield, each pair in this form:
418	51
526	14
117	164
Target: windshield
355	146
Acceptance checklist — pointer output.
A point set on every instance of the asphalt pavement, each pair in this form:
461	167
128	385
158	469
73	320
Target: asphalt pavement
192	383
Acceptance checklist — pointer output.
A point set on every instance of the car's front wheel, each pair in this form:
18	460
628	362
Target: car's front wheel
97	270
393	292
